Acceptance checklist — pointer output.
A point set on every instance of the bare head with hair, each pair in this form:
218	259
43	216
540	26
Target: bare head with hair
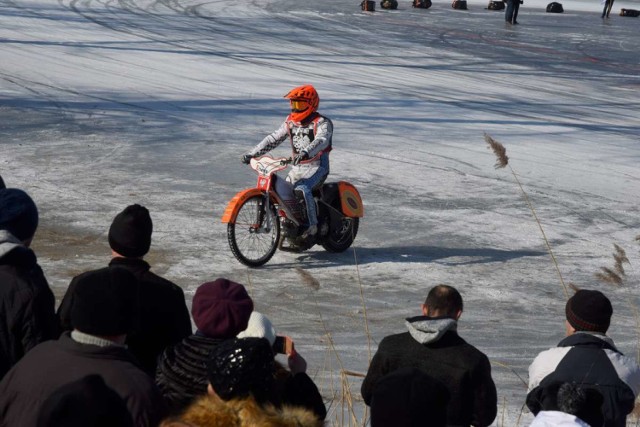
443	301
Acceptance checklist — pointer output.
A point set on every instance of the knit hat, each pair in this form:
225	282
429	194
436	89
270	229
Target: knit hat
18	213
103	302
260	327
83	403
130	231
221	309
406	398
240	367
589	310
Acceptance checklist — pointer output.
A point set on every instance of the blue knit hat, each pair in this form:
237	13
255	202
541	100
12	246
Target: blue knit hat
18	213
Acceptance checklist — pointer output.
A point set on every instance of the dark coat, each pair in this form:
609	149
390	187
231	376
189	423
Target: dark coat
163	318
53	364
464	369
27	304
181	375
298	390
593	362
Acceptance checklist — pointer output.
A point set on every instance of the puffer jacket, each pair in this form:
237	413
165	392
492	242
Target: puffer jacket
181	374
211	411
27	304
313	137
592	360
433	346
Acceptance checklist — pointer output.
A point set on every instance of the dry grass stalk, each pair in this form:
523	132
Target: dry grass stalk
364	305
503	161
620	257
499	150
607	275
346	398
504	365
573	287
615	275
308	279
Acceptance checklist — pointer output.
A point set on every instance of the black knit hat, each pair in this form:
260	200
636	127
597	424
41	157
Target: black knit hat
240	367
18	213
130	231
87	402
408	397
103	302
589	310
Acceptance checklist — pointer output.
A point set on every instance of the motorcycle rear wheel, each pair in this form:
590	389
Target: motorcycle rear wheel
254	235
340	240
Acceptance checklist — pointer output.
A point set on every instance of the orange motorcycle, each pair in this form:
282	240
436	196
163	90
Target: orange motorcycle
272	216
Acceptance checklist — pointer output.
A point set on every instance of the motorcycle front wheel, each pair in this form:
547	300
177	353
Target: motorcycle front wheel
254	235
341	239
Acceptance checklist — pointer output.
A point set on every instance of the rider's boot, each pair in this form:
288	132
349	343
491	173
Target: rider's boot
312	230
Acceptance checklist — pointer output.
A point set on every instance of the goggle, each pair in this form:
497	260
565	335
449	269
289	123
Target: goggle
299	105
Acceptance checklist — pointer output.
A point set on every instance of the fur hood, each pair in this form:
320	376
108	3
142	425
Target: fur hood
211	411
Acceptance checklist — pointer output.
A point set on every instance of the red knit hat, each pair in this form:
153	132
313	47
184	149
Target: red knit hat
221	309
589	310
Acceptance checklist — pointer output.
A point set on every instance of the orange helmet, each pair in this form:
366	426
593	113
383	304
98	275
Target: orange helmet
304	102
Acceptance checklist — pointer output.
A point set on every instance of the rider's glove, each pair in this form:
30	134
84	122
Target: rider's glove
303	155
246	158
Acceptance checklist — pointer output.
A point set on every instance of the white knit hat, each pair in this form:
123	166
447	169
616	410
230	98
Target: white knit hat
259	327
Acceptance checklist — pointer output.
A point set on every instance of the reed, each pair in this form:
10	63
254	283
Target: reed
503	161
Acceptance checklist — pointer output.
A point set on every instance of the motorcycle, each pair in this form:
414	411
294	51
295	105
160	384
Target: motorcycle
272	216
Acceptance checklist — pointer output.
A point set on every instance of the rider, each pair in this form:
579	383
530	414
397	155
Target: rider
310	135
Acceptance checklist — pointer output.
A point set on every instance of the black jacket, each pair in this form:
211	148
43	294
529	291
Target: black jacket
163	318
27	304
433	346
297	390
53	364
182	371
593	362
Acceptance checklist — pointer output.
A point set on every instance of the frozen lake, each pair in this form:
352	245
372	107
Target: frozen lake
104	104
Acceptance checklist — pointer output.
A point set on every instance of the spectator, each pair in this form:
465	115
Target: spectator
407	397
433	345
240	383
162	315
2	184
87	402
293	386
608	4
102	313
511	13
577	406
27	304
220	310
587	357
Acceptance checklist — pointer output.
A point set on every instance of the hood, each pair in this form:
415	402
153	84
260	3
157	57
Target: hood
8	242
426	330
211	411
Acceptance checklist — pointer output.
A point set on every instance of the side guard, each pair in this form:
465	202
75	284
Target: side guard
350	200
231	211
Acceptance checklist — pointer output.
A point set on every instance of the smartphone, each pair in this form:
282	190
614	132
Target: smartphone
283	345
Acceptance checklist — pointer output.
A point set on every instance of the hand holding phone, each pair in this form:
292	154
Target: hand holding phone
283	345
296	363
